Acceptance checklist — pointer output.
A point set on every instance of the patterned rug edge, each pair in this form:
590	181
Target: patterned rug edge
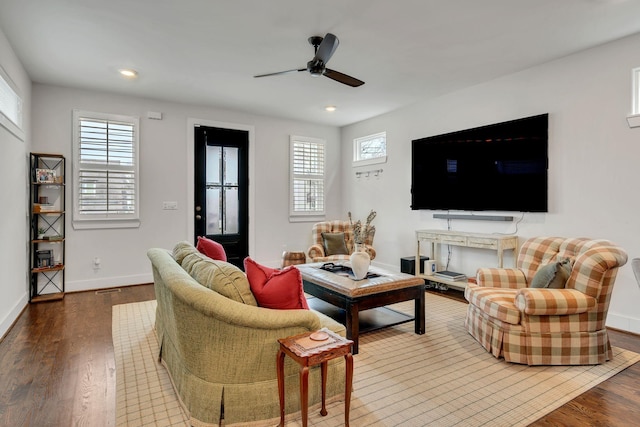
145	396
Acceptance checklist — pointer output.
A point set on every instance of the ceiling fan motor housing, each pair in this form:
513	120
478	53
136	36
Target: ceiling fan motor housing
316	68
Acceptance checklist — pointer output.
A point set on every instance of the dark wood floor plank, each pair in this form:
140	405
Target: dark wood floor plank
57	368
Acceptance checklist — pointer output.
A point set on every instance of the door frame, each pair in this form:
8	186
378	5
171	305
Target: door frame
191	124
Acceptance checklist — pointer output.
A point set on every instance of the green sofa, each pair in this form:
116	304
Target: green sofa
220	348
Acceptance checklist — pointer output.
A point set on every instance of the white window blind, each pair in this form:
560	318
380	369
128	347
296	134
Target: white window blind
307	177
10	106
105	170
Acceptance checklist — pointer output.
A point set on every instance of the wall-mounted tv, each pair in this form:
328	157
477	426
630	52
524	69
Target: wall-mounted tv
499	167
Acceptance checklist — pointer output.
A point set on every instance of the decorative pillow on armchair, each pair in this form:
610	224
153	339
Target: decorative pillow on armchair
334	244
553	275
273	288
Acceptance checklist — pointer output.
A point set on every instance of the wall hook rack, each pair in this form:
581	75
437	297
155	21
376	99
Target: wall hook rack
374	172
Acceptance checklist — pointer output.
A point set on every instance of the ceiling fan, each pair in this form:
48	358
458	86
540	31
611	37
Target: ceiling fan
324	49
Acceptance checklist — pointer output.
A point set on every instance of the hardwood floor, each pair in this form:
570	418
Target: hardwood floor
56	364
57	369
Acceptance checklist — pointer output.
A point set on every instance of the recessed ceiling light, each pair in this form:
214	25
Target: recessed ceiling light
129	73
330	108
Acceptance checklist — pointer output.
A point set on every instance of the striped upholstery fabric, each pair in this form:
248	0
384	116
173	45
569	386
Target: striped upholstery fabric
547	326
316	251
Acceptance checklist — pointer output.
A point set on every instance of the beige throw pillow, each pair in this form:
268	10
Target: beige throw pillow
219	276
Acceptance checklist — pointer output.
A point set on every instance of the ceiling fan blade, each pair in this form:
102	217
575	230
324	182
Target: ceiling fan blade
342	78
328	45
281	72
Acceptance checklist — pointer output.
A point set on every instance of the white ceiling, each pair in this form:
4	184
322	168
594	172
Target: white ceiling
205	52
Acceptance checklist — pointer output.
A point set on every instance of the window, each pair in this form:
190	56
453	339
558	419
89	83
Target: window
634	118
10	106
307	179
636	91
105	175
369	150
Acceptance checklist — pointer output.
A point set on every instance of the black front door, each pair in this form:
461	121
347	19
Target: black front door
222	189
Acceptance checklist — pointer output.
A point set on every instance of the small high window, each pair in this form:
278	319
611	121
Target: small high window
634	118
370	149
636	91
10	106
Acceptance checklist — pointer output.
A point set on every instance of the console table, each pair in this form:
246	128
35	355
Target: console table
496	242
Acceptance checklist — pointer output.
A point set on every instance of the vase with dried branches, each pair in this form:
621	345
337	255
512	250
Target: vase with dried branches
362	232
360	259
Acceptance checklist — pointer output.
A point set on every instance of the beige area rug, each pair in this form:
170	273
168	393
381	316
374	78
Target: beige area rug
442	378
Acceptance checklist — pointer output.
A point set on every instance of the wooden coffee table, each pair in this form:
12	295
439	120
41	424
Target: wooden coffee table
355	296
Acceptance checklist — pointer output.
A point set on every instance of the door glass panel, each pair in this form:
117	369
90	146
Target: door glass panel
231	217
214	161
231	165
213	210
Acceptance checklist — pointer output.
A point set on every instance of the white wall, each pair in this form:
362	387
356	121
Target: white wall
14	193
164	168
593	161
593	176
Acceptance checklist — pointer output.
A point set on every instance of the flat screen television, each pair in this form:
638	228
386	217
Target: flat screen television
499	167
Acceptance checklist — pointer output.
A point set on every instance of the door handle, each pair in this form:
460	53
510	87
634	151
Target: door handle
198	217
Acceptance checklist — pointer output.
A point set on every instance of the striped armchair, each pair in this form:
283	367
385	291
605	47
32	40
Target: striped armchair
542	326
316	251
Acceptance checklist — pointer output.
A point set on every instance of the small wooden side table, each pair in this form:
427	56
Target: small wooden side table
309	352
293	258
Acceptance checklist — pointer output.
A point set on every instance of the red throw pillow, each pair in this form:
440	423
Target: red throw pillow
273	288
212	249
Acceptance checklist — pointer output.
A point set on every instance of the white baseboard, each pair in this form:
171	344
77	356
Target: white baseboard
13	314
624	323
107	282
614	320
390	267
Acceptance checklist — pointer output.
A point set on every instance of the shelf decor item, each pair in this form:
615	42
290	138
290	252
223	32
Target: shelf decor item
45	176
45	258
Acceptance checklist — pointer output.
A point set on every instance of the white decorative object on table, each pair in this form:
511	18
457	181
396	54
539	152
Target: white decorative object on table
360	262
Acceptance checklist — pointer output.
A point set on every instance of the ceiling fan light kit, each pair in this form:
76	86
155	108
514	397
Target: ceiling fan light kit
324	48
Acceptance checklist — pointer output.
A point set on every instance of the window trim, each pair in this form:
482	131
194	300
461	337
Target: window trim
357	150
106	221
13	126
306	216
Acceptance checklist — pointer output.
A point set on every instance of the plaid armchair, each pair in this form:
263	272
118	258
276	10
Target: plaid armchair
541	326
316	251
